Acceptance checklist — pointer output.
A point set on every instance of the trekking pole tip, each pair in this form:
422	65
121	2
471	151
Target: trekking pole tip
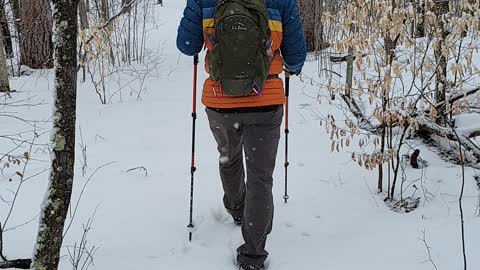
191	228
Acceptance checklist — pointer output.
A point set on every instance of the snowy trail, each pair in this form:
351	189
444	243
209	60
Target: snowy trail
331	222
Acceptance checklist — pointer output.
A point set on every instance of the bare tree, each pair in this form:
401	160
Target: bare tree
57	200
441	8
82	12
35	30
7	39
460	200
114	49
4	84
15	5
311	12
410	64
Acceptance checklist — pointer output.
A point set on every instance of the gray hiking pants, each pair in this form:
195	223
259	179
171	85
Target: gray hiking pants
256	134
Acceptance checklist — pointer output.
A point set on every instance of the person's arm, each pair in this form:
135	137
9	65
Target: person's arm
294	47
190	31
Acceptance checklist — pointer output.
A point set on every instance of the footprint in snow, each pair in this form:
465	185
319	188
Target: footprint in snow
289	225
306	234
186	249
153	257
220	215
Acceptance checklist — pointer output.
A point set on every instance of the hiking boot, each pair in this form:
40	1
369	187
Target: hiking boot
251	267
238	220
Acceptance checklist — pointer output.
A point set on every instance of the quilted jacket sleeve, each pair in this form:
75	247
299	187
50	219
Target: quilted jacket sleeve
294	47
190	31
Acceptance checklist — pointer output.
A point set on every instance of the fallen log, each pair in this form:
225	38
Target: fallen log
19	264
339	59
363	122
426	126
430	127
457	97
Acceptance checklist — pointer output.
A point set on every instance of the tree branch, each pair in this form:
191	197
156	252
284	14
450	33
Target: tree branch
460	204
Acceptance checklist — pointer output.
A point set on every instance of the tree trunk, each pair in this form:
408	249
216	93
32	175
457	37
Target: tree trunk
15	5
4	84
311	11
82	12
319	42
418	26
7	37
390	44
440	9
57	199
308	26
390	47
349	77
382	150
104	10
35	33
105	15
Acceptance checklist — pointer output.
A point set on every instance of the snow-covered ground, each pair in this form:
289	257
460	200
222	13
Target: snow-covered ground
333	220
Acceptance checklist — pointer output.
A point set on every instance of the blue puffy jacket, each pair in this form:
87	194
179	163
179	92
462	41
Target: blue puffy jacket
293	48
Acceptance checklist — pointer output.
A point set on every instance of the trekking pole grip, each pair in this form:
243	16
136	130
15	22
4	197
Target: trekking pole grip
287	84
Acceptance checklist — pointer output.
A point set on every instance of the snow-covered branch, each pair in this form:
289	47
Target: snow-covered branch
457	97
364	122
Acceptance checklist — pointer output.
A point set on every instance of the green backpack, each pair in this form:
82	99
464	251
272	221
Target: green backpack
242	47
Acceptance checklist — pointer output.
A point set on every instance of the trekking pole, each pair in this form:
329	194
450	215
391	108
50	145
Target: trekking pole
287	131
190	226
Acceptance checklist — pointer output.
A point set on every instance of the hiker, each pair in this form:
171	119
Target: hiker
255	41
